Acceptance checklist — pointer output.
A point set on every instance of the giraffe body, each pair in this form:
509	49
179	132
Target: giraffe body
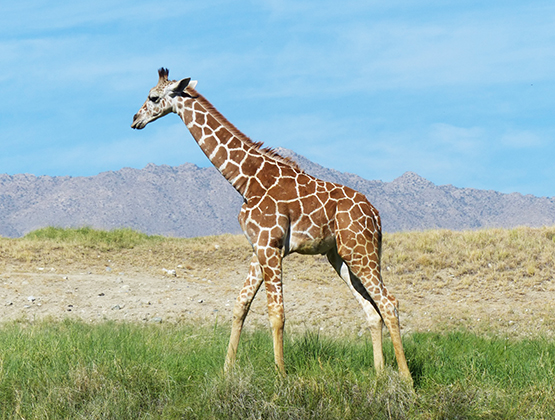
285	210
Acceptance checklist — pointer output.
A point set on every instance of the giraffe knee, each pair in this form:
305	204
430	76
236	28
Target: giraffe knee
240	310
395	306
374	318
277	318
389	308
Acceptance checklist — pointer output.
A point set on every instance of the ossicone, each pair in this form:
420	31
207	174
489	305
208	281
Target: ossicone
163	73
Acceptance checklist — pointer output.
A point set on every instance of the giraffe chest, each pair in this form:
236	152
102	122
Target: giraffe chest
284	227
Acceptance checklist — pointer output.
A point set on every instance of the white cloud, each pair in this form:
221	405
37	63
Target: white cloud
416	56
522	139
41	16
447	138
400	51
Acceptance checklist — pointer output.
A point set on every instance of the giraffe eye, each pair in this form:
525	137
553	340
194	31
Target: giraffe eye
154	99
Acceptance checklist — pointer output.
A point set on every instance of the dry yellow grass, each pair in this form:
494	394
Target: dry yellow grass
514	260
492	280
149	256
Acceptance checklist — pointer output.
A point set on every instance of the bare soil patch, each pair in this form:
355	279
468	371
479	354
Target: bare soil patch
184	280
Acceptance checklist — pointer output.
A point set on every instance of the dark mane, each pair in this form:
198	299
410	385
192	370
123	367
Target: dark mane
267	151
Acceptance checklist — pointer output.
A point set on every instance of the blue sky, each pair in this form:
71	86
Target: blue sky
461	93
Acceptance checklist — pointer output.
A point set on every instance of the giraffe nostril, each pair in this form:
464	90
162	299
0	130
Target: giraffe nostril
135	117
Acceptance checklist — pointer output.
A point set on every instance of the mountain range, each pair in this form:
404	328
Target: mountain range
188	200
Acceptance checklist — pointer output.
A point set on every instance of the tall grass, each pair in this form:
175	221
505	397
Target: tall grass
468	258
516	265
63	370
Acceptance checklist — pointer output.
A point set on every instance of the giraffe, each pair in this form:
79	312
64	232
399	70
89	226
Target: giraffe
285	210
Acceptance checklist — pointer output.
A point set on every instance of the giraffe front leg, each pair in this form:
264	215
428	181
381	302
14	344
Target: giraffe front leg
241	309
270	261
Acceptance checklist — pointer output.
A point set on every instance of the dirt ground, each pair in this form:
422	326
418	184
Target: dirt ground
313	300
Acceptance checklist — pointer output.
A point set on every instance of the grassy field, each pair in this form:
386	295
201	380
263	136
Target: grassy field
464	367
74	370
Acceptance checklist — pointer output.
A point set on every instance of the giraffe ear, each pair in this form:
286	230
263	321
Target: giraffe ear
177	88
193	84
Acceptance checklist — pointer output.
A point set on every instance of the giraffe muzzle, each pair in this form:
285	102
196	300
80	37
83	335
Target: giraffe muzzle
137	124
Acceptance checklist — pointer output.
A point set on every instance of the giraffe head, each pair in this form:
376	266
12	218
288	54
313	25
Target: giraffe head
161	99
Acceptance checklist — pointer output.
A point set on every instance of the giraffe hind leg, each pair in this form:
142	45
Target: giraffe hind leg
387	307
369	307
359	245
375	321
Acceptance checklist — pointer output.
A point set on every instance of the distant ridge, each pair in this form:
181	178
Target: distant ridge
187	201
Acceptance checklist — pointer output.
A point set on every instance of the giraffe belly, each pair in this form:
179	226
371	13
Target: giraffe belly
303	243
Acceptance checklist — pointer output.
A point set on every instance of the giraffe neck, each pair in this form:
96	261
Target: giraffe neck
236	156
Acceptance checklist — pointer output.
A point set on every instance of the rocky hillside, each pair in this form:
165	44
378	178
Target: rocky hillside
191	201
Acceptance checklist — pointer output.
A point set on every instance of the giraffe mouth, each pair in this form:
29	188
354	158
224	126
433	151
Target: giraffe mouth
137	123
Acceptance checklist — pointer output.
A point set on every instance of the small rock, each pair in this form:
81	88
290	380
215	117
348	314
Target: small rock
201	301
101	294
31	298
117	307
108	269
169	272
156	319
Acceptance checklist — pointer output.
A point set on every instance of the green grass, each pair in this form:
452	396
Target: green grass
74	370
105	240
